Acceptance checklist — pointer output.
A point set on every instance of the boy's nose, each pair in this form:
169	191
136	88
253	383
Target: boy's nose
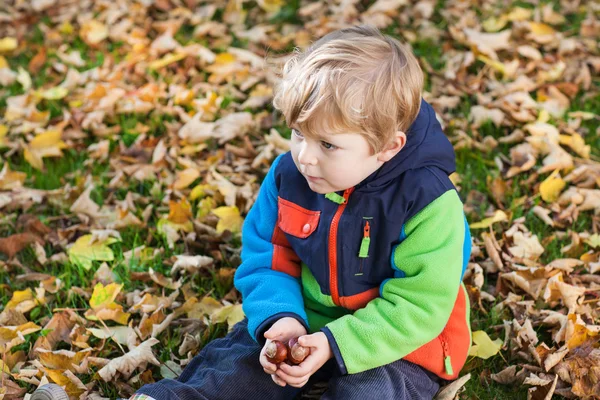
307	156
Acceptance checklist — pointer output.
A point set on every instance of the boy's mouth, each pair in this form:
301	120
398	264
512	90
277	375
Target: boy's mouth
312	178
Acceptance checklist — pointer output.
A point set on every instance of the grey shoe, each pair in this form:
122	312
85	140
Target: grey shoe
50	391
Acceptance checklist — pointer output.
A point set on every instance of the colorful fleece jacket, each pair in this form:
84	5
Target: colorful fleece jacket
377	267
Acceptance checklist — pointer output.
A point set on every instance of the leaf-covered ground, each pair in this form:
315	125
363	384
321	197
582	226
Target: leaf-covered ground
134	135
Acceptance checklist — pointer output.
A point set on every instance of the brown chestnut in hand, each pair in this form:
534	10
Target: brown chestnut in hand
296	352
276	352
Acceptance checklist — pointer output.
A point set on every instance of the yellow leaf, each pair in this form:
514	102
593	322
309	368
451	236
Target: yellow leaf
180	212
579	334
24	79
497	65
584	115
19	297
166	60
119	334
593	241
83	252
539	28
198	191
93	32
498	216
48	144
73	386
484	347
494	24
551	187
205	206
50	138
112	311
11	179
104	295
519	14
185	178
8	44
576	142
224	58
232	314
270	6
55	93
206	306
3	132
66	28
229	219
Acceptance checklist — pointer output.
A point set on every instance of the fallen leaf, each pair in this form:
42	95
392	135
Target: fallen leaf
83	252
499	216
551	187
127	363
484	347
229	219
13	244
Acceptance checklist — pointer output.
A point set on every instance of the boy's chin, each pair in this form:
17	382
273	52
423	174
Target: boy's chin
317	188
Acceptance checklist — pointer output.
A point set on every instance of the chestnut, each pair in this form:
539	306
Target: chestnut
276	352
296	352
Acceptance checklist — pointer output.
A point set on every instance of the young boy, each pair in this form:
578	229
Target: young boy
357	241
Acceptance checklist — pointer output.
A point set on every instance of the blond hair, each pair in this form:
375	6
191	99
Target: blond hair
354	80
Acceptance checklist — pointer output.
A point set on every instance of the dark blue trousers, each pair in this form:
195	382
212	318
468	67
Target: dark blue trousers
228	369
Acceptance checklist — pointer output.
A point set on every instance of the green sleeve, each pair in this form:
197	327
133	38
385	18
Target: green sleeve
414	309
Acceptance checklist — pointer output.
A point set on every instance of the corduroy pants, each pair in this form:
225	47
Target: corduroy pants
228	369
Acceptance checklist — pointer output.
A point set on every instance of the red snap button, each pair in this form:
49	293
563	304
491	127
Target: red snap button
306	228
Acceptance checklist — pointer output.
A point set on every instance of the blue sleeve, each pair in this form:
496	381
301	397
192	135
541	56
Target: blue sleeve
267	295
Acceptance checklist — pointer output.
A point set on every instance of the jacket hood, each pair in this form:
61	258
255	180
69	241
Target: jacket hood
426	146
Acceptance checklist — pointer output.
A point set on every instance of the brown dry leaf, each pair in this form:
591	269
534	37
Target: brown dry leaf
544	390
126	364
185	178
450	392
65	378
59	328
526	246
583	366
163	280
64	359
10	179
13	244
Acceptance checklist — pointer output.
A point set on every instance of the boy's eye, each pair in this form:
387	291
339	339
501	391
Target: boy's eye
297	133
328	146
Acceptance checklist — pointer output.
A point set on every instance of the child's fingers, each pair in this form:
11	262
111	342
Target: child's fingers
269	368
278	380
298	370
292	380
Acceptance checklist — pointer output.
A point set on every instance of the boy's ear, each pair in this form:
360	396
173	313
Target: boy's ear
392	148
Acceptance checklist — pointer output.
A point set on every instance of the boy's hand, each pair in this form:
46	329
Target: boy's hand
320	352
283	330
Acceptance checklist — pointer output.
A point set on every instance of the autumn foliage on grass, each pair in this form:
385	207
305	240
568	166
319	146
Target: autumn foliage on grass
134	136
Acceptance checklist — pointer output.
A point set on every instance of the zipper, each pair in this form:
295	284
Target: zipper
333	229
447	359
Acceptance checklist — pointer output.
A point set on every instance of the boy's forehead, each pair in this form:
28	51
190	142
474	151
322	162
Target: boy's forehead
323	133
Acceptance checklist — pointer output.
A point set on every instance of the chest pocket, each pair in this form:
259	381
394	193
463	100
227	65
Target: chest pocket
296	245
295	220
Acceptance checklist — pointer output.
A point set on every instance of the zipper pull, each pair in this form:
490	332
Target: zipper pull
366	241
447	359
336	198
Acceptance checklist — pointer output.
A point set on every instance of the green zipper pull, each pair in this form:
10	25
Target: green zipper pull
366	241
448	365
336	198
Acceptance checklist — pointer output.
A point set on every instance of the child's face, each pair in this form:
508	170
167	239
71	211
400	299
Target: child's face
333	162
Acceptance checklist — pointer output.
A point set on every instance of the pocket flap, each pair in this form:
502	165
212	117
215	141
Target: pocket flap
295	220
